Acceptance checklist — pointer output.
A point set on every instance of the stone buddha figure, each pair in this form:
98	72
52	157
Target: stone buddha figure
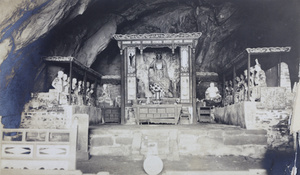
66	83
212	93
57	83
237	89
74	91
105	97
260	76
159	77
90	96
79	92
242	87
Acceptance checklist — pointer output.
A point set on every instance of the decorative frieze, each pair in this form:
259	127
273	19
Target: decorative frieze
268	50
157	35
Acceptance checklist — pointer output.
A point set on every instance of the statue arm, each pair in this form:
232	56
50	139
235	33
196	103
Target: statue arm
165	68
54	82
152	65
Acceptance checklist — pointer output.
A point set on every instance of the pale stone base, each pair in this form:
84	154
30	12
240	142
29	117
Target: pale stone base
175	141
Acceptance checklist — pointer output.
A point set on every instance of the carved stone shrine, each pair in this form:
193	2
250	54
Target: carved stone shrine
157	76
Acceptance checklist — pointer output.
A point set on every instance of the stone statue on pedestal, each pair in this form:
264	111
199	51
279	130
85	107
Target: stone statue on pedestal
159	77
74	92
90	93
212	94
57	83
242	88
260	76
237	90
79	93
105	99
66	83
130	120
64	95
259	81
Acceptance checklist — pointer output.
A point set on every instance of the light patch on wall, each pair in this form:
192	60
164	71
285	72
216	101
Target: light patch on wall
10	76
5	48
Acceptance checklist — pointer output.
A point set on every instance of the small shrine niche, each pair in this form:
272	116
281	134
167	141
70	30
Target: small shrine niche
151	79
251	76
157	76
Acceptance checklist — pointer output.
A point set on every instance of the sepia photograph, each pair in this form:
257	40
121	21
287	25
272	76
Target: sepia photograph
149	87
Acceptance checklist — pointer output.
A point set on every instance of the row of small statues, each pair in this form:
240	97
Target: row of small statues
80	95
257	78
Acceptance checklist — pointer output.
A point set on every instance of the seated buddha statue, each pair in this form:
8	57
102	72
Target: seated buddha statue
212	93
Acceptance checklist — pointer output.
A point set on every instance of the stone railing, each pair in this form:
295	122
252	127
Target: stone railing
38	149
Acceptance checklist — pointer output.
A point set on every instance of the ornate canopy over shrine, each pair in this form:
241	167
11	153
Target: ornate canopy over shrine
240	60
160	78
74	63
268	50
171	40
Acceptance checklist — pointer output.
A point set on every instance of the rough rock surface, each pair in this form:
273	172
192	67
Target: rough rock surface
22	25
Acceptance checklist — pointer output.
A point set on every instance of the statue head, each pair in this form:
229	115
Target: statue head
74	80
242	77
93	86
104	86
245	72
212	84
158	56
65	77
79	83
257	66
60	74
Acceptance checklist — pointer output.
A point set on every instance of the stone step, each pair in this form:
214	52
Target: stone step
172	141
249	172
232	165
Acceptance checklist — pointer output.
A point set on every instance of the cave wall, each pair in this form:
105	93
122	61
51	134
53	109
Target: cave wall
23	25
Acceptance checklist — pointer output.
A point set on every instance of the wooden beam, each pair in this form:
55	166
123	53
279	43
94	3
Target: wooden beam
84	88
248	76
194	101
223	88
70	83
123	93
233	81
279	71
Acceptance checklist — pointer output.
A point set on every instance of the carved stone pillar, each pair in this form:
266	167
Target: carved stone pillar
131	73
184	75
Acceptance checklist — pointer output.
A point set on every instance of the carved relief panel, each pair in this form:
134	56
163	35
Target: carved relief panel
184	57
184	76
185	88
131	73
131	60
131	85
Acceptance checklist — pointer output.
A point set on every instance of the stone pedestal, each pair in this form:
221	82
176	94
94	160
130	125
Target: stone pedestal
82	152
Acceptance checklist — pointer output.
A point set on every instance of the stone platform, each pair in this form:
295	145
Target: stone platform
171	142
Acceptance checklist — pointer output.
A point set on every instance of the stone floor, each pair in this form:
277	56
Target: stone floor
274	162
172	141
126	166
